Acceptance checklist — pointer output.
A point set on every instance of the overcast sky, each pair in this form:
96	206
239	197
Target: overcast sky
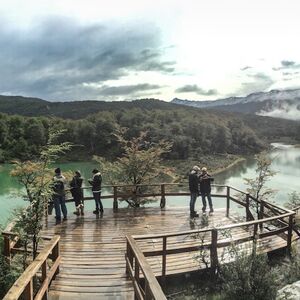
123	50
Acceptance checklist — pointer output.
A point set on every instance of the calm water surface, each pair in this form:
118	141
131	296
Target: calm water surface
286	163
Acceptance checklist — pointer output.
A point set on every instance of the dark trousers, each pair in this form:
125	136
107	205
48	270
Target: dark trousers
203	195
97	197
60	206
192	202
78	197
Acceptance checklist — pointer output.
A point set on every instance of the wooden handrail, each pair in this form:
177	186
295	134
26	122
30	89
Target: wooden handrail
237	190
24	284
214	244
296	208
224	227
162	193
152	185
152	288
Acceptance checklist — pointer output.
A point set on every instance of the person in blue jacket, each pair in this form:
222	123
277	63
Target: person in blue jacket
59	198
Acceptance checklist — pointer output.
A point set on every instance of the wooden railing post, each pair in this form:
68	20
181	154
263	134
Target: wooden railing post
290	233
148	295
163	197
129	256
6	246
261	213
248	218
164	261
44	276
137	275
115	205
214	250
28	291
227	201
255	231
55	255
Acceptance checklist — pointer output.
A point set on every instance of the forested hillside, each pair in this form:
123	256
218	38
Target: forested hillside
72	110
192	131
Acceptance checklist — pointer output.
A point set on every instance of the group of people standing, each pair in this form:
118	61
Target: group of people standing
59	198
200	184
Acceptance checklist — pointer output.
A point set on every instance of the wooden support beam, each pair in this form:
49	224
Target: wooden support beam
115	204
163	196
214	250
227	201
290	233
261	213
164	261
28	291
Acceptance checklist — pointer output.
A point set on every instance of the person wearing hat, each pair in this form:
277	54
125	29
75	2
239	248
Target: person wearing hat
59	199
194	190
77	193
205	189
95	182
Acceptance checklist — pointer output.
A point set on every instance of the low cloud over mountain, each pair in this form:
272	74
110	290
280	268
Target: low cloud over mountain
280	104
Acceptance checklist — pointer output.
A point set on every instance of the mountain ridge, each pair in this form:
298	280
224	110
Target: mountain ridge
275	103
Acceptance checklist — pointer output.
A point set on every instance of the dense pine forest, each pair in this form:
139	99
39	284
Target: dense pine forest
193	131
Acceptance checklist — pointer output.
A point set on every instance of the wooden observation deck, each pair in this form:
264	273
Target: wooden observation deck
122	253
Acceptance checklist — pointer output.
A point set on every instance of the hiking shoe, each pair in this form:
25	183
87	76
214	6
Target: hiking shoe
96	212
81	210
194	215
65	218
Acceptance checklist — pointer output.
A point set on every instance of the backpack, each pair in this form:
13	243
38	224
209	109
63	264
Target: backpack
59	187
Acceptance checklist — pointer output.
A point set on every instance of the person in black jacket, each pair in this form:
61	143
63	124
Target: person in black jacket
194	189
205	189
59	198
77	193
96	189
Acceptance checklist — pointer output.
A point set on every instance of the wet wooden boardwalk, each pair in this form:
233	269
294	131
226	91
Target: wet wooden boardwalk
93	248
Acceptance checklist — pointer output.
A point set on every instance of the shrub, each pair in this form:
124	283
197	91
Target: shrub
8	273
248	277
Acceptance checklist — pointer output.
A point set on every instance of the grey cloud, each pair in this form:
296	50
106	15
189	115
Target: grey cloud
245	68
196	89
287	64
127	89
54	59
257	82
290	73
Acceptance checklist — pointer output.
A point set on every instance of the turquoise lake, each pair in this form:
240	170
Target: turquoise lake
286	162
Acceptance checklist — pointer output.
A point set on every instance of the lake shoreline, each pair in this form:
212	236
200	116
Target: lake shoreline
222	169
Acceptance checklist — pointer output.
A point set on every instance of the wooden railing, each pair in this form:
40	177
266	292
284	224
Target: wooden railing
214	243
10	240
136	265
145	284
162	191
254	225
118	195
24	286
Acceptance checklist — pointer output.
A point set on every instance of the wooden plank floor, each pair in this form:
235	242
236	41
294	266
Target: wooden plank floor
93	247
